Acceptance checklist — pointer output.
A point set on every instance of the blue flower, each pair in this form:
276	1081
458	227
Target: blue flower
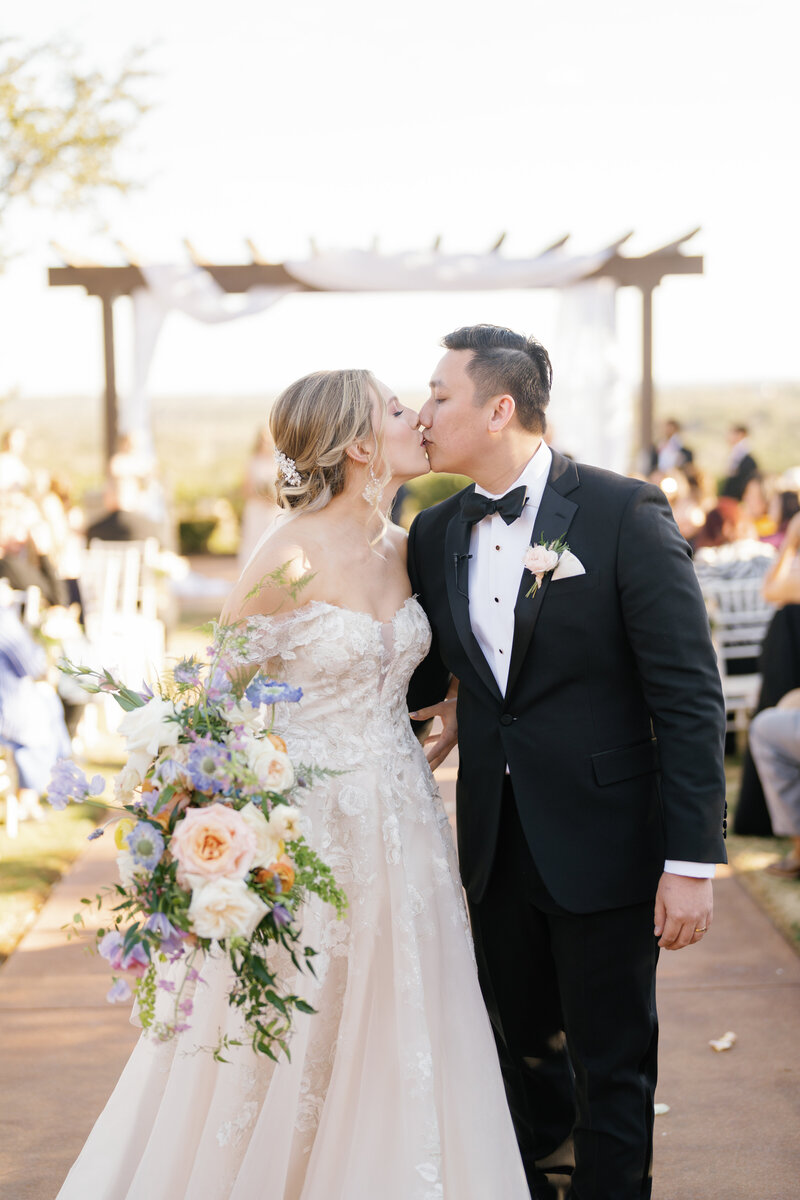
187	671
269	691
280	915
146	844
68	782
208	767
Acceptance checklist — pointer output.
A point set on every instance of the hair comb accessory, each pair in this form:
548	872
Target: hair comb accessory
288	469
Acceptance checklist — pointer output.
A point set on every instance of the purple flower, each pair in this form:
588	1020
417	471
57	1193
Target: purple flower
96	833
111	946
186	1007
187	671
218	685
171	941
168	771
208	765
269	691
68	782
120	990
146	844
148	801
166	985
280	915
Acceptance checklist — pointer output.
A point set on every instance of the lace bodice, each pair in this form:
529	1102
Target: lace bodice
354	672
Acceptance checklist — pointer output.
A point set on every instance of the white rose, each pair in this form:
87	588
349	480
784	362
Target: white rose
150	727
268	848
225	908
131	776
285	822
126	867
245	713
272	767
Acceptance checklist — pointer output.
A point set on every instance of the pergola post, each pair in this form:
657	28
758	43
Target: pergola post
111	414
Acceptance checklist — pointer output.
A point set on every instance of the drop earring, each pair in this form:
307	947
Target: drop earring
373	491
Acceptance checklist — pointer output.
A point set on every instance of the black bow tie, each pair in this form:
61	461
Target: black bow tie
510	506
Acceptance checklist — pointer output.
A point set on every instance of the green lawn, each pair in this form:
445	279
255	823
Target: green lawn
32	862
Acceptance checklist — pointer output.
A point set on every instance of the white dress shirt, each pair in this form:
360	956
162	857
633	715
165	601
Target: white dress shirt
497	551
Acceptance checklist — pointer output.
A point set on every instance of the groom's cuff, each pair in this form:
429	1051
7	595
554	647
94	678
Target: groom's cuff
675	866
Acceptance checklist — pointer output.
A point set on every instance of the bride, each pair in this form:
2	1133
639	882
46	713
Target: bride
393	1091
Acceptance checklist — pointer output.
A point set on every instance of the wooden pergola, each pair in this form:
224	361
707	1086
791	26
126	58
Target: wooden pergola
644	272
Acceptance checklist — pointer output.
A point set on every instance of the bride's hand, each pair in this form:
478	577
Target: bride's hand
438	745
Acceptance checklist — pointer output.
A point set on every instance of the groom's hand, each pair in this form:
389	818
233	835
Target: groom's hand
438	745
684	910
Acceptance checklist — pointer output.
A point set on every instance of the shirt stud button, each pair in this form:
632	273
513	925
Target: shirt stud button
497	599
497	547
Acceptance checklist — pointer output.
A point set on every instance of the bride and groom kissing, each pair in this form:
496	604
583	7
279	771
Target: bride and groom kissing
583	691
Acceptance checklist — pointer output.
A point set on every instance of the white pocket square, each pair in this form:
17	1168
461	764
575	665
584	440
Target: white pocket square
568	565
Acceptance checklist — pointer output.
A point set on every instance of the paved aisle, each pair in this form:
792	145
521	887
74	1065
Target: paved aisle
732	1132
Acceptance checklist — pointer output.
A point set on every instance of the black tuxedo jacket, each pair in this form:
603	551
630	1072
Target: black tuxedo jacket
613	720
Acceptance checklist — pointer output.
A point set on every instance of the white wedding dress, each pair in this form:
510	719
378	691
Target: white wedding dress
393	1091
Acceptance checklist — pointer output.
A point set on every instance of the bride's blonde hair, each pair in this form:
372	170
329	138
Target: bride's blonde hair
313	422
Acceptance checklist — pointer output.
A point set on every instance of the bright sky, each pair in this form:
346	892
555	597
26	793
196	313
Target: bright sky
352	120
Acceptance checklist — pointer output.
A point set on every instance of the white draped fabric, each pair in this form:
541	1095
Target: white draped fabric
428	270
591	414
591	408
177	288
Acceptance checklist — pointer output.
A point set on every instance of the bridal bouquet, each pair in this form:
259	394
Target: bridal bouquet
210	840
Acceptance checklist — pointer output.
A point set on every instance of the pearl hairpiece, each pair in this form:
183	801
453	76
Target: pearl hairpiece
288	469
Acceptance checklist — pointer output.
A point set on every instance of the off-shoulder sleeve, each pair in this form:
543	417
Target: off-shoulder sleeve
264	638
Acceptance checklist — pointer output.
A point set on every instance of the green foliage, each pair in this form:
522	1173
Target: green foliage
62	124
428	490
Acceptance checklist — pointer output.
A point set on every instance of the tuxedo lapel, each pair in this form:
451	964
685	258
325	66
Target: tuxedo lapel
456	562
552	522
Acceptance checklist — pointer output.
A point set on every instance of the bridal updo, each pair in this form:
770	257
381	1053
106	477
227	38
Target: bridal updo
313	422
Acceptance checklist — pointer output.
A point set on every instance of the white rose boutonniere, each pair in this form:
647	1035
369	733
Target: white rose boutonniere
541	559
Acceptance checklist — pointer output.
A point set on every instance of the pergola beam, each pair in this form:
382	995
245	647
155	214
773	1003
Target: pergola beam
644	272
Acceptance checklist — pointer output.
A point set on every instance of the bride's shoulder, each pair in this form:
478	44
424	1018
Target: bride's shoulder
397	538
275	580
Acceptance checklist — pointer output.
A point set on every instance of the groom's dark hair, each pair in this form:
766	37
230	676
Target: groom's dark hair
507	362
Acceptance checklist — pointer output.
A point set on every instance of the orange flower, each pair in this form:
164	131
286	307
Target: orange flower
284	869
277	742
178	800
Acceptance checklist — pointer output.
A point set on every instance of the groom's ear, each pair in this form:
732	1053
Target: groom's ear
499	411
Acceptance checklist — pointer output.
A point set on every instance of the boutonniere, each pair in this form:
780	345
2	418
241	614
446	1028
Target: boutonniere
543	558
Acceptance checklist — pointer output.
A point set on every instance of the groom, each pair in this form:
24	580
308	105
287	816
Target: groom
590	720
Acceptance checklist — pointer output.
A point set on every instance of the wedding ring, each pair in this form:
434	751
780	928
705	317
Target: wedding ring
705	927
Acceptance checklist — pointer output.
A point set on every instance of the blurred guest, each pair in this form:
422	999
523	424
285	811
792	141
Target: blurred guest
775	746
24	549
721	526
121	524
783	506
260	502
780	670
685	499
31	716
671	453
755	507
13	471
741	464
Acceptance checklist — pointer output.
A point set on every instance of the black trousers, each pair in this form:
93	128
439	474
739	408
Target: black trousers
572	1001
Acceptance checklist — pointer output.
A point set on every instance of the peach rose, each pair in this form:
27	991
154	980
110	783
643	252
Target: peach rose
213	843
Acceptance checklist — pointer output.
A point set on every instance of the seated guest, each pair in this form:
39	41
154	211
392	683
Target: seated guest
775	746
783	506
23	558
122	524
780	671
31	716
